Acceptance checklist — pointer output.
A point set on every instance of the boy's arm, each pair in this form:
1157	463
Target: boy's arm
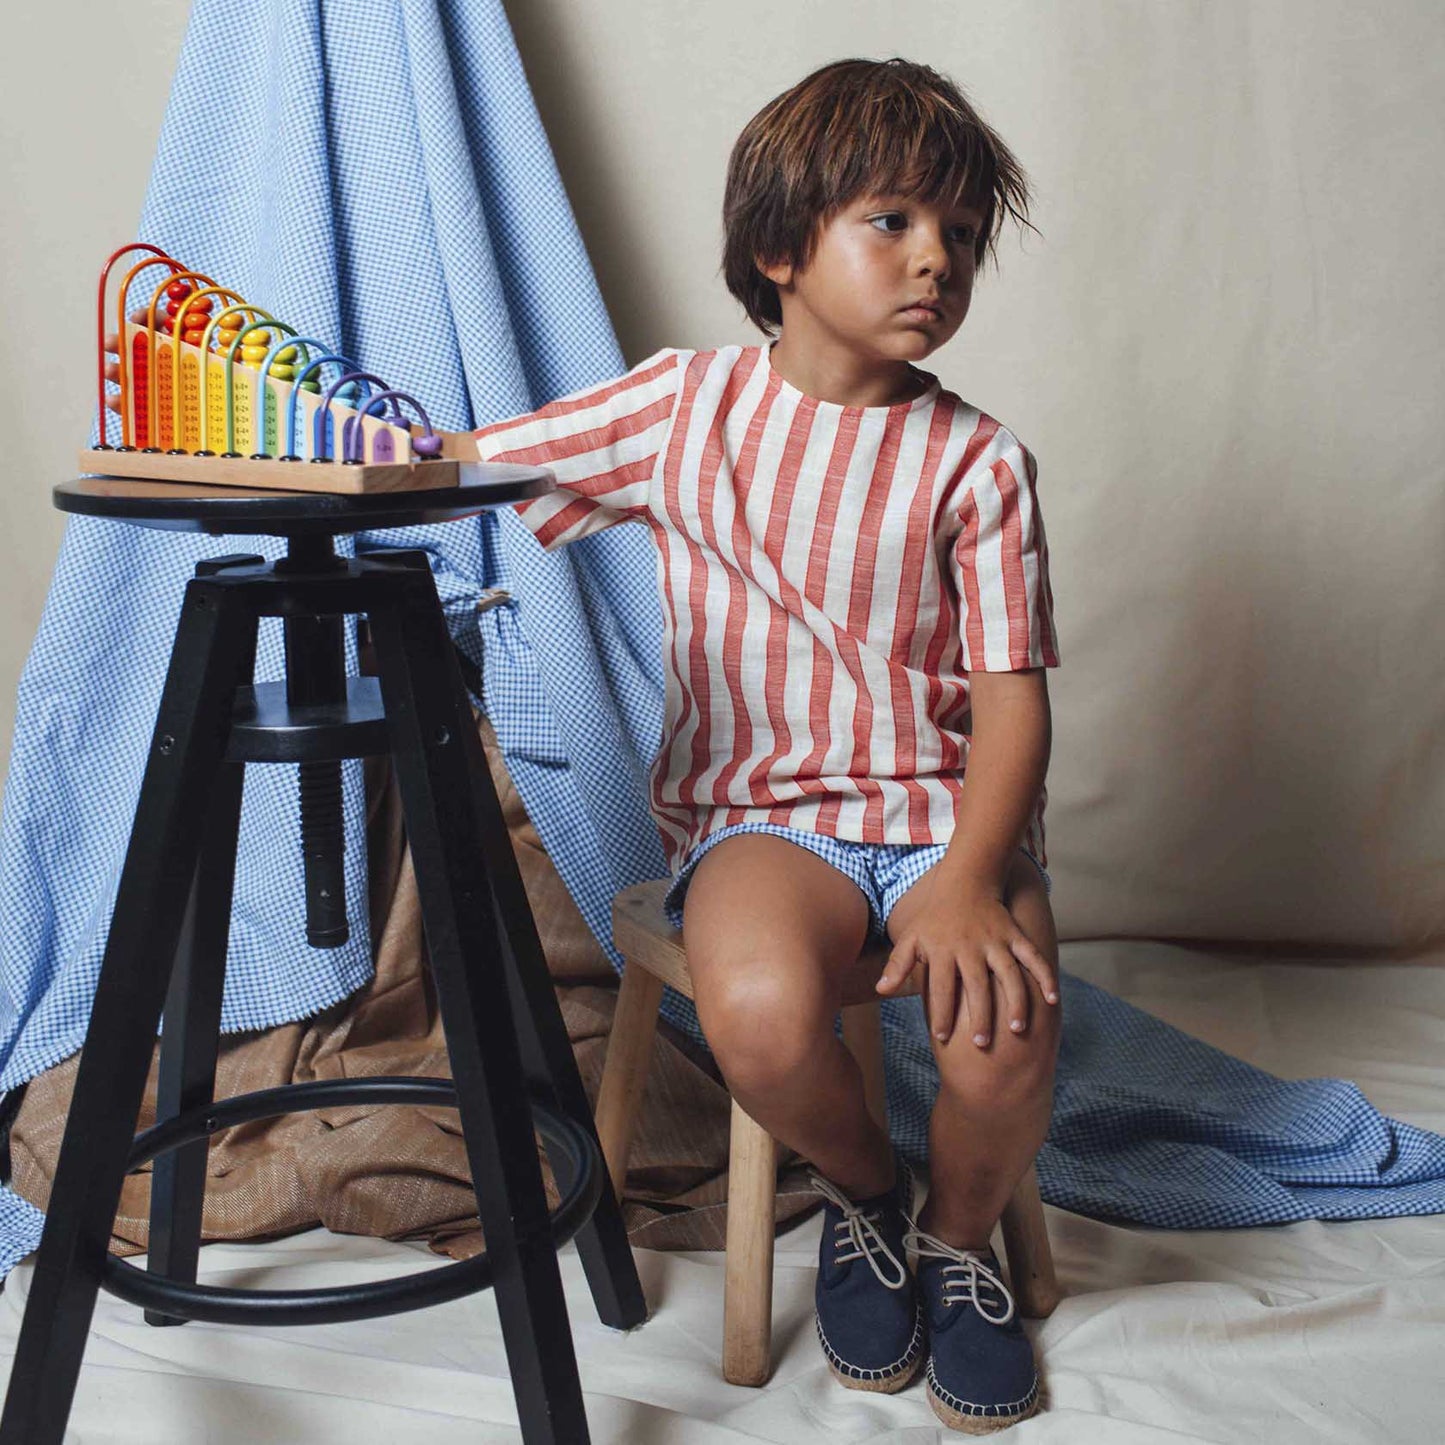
961	936
1007	761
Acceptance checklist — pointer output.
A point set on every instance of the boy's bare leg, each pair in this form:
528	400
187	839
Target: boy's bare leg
995	1101
770	931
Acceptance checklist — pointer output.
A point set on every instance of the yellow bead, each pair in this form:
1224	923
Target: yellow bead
254	354
281	371
286	355
258	338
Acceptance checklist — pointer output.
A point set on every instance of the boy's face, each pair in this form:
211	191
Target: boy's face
878	255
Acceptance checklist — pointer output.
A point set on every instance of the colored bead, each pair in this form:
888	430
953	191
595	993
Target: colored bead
201	306
254	354
286	355
260	338
282	372
166	325
427	446
178	290
311	385
194	338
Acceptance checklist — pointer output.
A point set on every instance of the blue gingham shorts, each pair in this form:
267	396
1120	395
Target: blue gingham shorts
884	872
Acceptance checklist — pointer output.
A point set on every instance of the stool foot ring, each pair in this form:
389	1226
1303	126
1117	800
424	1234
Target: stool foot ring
581	1190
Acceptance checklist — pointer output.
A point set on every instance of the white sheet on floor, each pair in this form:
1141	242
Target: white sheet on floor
1321	1334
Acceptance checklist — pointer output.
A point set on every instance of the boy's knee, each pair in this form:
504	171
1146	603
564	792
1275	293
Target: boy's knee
1013	1070
761	1029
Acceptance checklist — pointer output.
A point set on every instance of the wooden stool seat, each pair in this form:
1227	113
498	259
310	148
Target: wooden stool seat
655	957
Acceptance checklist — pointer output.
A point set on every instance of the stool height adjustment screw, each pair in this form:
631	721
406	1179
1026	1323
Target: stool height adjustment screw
323	845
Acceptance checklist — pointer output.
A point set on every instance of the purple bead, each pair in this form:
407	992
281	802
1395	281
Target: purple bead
427	446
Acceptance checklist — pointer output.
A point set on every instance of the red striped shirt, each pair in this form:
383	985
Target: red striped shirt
830	575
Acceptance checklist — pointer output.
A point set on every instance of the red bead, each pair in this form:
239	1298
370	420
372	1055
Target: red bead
178	290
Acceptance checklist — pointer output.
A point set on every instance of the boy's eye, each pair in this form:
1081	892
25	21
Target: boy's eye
965	233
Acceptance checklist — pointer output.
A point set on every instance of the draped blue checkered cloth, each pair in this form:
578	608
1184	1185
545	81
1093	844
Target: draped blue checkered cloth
375	173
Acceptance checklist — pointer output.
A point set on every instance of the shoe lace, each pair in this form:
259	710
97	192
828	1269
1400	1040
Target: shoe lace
967	1279
859	1227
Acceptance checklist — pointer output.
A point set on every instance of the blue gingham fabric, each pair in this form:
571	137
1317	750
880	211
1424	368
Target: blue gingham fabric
883	872
374	172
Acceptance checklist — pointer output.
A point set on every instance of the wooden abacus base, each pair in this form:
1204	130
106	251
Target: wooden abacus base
271	473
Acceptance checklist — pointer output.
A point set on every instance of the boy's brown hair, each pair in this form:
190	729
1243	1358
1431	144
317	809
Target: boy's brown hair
850	128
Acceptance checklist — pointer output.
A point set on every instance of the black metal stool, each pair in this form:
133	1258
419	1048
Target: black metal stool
511	1060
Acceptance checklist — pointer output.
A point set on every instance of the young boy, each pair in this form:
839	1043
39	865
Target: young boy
857	619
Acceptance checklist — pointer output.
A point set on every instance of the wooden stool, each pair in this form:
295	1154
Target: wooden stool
654	953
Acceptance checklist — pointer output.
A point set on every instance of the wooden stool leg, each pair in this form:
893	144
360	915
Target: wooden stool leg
748	1289
863	1034
1030	1259
624	1071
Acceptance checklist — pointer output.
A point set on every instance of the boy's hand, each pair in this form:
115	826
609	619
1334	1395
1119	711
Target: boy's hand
964	934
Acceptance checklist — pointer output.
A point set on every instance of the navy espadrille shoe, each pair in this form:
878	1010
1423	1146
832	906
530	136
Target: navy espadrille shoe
981	1372
869	1314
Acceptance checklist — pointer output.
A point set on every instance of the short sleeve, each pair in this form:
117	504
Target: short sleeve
601	443
999	562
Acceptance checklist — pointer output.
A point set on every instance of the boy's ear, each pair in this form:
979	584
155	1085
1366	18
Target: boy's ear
780	273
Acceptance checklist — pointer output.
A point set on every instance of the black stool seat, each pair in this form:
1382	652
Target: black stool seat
184	507
513	1071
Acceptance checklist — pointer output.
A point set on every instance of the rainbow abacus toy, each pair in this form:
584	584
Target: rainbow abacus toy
216	390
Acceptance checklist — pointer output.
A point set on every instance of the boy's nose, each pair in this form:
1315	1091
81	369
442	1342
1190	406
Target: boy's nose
932	257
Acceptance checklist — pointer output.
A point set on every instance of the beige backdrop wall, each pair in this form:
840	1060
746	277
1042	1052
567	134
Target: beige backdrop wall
1226	351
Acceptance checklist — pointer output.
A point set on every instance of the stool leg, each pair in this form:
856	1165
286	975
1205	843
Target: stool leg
547	1057
1030	1257
624	1071
748	1286
190	1040
549	1063
186	750
438	776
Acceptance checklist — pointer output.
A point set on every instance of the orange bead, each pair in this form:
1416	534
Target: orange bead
193	338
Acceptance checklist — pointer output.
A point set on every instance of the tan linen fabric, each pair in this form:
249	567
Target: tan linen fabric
399	1171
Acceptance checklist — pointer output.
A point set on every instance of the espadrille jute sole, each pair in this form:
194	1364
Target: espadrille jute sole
890	1386
955	1414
